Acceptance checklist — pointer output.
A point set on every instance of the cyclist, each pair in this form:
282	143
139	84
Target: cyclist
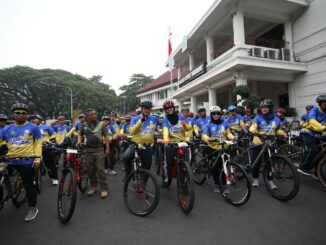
75	130
61	131
217	129
49	156
95	132
304	117
111	134
201	121
174	128
281	112
125	131
114	142
248	117
23	139
265	123
142	129
315	126
235	121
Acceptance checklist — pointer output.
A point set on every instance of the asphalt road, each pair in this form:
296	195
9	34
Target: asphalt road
263	220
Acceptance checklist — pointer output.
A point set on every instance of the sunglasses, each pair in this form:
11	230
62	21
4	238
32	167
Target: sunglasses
20	113
216	113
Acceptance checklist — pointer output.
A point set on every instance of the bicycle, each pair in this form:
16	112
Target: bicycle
8	175
237	186
141	191
181	170
275	167
321	161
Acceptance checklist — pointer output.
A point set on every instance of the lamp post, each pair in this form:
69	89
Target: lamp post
124	104
71	103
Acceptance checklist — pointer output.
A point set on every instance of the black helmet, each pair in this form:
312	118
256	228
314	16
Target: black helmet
20	106
309	107
321	98
146	104
3	117
266	102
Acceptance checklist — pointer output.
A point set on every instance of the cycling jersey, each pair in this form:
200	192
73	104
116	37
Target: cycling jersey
116	127
235	123
124	128
61	132
316	123
190	121
284	123
200	124
220	131
143	132
175	133
46	132
265	127
304	120
112	134
22	141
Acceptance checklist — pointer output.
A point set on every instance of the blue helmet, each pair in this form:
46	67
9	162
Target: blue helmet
231	108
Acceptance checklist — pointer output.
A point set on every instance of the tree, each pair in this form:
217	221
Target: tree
27	85
129	91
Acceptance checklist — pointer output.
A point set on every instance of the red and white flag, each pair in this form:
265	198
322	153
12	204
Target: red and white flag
170	54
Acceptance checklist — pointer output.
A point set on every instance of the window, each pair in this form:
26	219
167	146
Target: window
163	94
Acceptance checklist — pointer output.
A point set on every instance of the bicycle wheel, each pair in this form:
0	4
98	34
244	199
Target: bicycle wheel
294	153
82	176
236	188
185	187
38	179
141	192
281	178
199	168
67	195
321	171
20	195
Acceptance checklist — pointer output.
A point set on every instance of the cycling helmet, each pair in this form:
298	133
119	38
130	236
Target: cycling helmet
321	98
281	110
168	104
201	108
232	108
20	106
3	117
128	118
81	115
215	108
146	104
309	107
266	102
106	117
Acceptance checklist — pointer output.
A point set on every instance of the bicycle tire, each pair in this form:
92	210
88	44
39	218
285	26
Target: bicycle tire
198	168
293	152
65	215
83	176
185	177
140	192
20	195
38	179
321	171
237	176
280	177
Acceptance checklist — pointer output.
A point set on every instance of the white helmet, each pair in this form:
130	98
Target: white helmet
215	108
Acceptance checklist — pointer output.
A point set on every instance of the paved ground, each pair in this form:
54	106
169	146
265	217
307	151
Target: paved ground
262	220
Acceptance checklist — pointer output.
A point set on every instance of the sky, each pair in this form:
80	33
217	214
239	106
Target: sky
99	37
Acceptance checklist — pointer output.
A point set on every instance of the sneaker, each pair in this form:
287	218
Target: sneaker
315	177
55	182
271	185
217	189
255	183
112	172
304	172
226	189
104	194
32	213
91	192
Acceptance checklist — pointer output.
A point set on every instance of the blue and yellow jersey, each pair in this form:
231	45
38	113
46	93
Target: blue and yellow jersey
235	123
61	132
75	130
22	141
143	132
46	132
112	134
316	122
304	120
284	123
200	124
220	131
175	133
124	129
265	127
190	133
116	127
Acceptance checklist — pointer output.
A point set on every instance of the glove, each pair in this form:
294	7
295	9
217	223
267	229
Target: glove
183	122
143	118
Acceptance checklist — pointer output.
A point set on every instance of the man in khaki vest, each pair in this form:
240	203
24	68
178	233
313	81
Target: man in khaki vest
94	132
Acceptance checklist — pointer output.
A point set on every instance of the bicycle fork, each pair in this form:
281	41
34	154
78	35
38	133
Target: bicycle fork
225	159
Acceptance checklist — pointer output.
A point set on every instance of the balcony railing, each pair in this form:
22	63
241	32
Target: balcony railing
265	42
193	74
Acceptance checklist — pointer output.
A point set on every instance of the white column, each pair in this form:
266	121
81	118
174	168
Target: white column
191	61
238	28
193	106
240	79
212	100
179	73
288	37
209	48
292	95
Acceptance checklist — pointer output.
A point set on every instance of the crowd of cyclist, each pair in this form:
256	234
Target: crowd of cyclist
105	144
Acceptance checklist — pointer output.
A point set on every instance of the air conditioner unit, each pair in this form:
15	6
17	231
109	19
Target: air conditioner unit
285	54
271	54
256	52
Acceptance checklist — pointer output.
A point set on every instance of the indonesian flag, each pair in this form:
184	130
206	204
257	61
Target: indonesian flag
170	55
